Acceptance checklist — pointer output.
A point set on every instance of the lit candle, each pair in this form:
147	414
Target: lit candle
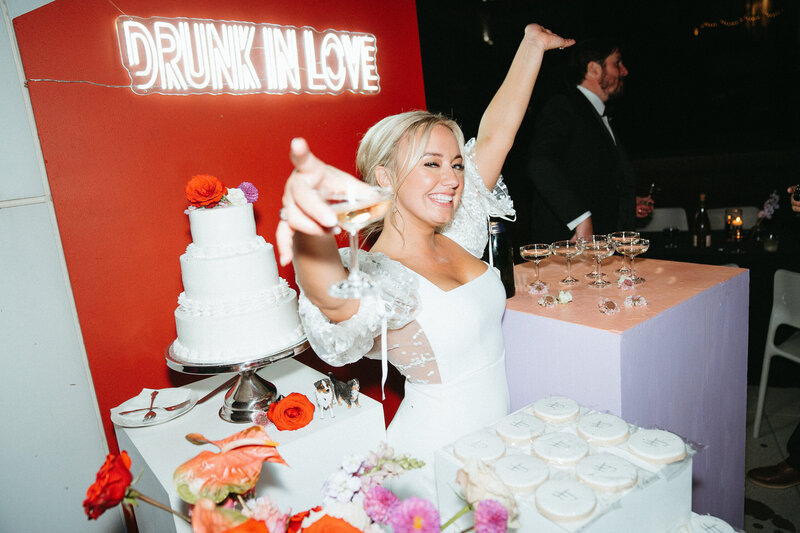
737	221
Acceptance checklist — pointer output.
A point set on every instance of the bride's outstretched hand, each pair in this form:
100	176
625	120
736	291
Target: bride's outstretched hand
303	209
546	38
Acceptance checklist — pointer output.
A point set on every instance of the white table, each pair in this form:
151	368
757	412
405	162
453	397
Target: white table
679	364
312	452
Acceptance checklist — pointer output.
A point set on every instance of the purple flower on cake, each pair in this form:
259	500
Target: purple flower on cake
414	515
379	504
490	517
249	190
607	306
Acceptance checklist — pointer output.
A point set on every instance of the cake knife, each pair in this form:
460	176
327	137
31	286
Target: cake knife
219	389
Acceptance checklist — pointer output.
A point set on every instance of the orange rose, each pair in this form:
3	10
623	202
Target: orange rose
205	191
293	412
110	486
329	524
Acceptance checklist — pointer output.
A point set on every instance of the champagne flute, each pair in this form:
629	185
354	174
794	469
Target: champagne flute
632	249
623	236
599	247
355	208
568	250
535	253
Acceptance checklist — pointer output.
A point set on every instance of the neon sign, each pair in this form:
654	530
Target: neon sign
200	56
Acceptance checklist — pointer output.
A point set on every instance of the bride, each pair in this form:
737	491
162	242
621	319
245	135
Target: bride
442	305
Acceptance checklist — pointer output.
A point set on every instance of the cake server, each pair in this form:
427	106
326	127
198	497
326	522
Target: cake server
227	385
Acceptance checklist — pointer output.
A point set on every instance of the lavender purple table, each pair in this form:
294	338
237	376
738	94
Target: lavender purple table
678	364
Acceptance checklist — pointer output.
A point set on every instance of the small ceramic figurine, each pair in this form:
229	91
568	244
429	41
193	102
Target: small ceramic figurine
325	395
346	390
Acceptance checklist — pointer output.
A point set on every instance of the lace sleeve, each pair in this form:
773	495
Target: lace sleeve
346	342
468	227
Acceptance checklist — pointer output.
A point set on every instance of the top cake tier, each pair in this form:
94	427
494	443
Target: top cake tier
230	226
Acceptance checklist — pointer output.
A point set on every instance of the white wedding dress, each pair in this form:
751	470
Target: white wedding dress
447	344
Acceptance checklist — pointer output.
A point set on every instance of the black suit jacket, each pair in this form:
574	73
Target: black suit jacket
575	167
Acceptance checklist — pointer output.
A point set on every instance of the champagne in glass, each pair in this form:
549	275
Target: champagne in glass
623	236
535	253
632	249
568	250
599	247
354	210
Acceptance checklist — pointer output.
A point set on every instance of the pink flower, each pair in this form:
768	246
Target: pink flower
490	517
249	190
266	511
414	515
379	504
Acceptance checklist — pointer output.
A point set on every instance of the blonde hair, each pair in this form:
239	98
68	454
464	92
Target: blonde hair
380	147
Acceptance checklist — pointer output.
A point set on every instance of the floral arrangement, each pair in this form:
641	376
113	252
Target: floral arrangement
564	297
204	190
607	306
220	486
537	287
635	300
771	204
625	283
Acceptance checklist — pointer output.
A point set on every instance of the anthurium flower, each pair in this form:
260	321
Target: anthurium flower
208	518
235	469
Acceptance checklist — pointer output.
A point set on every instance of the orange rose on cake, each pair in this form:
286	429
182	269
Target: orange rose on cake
204	190
293	412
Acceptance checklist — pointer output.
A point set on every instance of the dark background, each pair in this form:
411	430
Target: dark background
710	105
706	109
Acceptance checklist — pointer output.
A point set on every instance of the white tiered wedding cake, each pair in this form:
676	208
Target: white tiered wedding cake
234	307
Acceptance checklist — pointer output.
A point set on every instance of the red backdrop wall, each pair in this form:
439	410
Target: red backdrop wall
117	162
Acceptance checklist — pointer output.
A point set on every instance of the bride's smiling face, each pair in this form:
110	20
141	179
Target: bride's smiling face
432	189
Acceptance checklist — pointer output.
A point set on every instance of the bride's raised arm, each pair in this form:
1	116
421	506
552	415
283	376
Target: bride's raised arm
505	112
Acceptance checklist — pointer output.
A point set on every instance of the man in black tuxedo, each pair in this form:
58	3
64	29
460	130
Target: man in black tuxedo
583	182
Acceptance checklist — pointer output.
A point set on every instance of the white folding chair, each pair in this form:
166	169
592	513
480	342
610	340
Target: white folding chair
665	217
785	311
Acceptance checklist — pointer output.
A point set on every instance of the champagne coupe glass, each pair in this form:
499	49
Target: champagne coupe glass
355	208
599	247
568	250
535	253
623	236
632	249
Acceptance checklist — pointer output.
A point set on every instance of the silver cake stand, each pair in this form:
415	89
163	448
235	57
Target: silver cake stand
251	393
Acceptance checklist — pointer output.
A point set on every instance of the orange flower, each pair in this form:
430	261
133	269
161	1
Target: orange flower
293	412
110	486
205	191
297	519
329	524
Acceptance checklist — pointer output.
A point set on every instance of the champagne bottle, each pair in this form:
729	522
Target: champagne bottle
701	232
502	254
